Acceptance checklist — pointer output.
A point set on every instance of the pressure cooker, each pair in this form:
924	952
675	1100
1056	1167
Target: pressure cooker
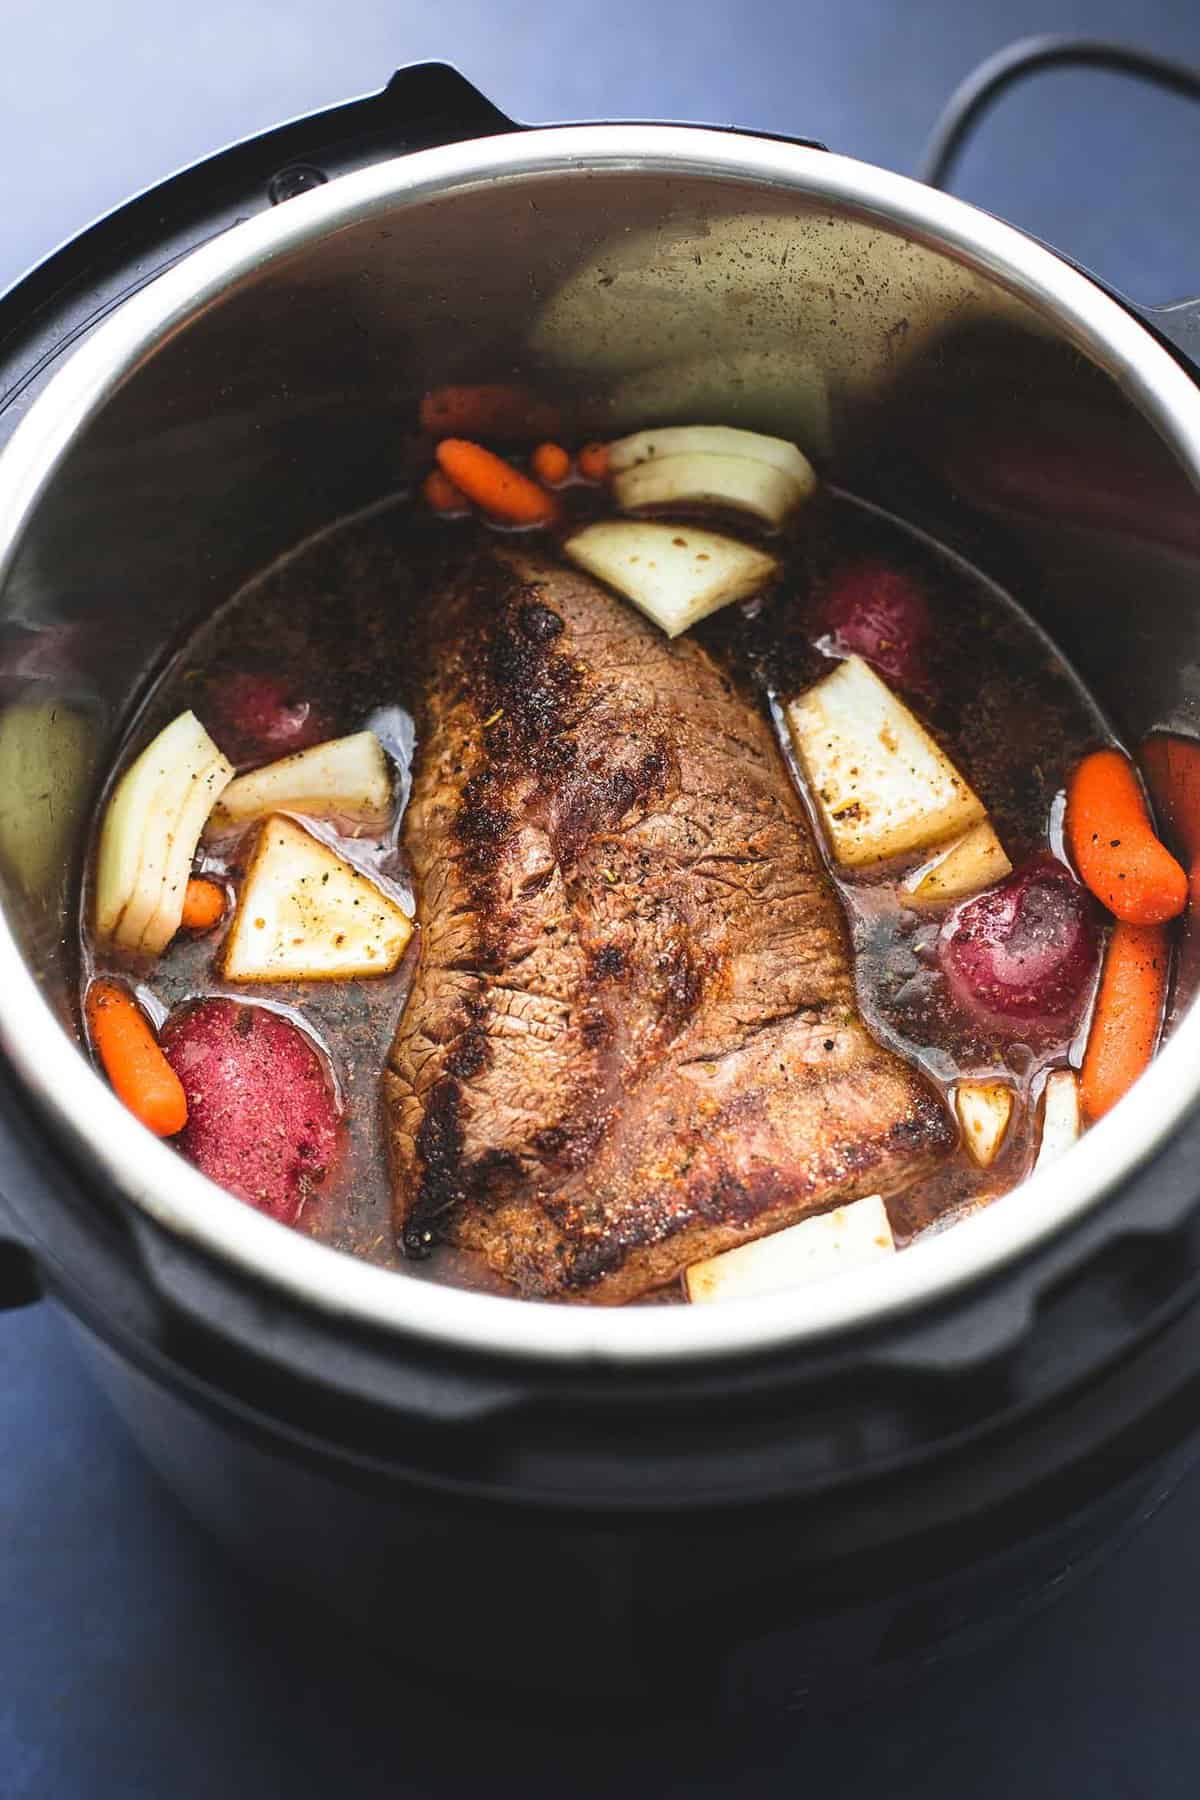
725	1504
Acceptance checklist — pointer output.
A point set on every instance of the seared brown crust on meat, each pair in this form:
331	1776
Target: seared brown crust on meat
631	1041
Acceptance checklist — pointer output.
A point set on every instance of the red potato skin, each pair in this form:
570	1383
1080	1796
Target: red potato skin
880	614
257	717
263	1121
1025	951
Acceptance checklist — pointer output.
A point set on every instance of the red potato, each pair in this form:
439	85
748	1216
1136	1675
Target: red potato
256	717
1025	951
880	614
263	1121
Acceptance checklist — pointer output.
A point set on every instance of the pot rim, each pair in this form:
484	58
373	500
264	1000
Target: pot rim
103	1136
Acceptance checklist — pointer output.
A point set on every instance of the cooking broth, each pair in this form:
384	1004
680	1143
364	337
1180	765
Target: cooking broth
328	624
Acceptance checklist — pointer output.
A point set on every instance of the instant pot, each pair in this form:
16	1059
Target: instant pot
712	1505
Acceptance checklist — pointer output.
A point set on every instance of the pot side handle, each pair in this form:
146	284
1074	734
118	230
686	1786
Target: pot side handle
1177	326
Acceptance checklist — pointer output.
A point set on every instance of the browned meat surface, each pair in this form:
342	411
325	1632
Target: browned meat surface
632	1040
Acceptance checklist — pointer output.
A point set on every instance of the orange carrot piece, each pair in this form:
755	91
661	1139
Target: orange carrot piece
204	903
442	495
1113	843
488	409
1172	766
141	1076
551	464
1125	1023
593	462
494	484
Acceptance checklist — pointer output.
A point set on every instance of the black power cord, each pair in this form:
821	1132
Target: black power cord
1028	56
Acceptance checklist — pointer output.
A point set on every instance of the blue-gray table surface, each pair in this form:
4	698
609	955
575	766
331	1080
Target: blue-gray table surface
133	1660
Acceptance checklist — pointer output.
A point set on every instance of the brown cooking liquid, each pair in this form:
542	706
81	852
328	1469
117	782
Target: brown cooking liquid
1008	708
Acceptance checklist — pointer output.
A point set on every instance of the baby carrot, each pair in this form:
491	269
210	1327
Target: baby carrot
593	462
203	904
1128	1013
494	484
487	409
141	1076
1114	846
1172	767
551	464
441	493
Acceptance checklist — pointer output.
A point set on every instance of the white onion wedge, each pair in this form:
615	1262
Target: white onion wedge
189	826
305	914
1062	1120
692	479
974	861
676	574
151	827
846	1238
345	779
713	440
883	786
984	1109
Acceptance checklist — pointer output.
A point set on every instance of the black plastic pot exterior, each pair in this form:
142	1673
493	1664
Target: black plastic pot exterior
779	1605
760	1526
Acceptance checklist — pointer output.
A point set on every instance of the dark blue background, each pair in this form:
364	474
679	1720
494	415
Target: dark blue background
133	1661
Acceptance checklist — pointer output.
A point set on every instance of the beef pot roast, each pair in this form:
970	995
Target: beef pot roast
632	1040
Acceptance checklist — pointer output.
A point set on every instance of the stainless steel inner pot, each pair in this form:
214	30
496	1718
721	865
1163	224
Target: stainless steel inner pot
265	384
